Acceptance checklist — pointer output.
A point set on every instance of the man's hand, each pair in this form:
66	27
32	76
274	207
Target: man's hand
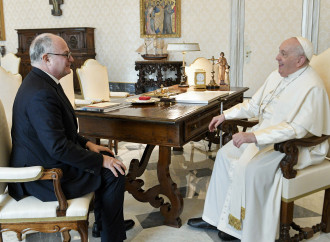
243	137
114	165
215	122
97	148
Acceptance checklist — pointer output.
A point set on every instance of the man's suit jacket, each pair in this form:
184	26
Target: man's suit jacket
44	132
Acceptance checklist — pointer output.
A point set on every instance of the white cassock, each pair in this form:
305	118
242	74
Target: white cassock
244	195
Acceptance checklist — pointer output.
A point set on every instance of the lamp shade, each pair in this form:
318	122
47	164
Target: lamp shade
183	47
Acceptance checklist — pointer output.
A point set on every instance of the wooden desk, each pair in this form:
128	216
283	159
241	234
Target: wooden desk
163	124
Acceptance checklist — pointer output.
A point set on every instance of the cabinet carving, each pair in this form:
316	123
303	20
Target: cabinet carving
80	42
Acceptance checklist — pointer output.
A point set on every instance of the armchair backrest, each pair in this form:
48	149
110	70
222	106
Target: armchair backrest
204	64
93	78
9	84
5	143
321	64
10	62
67	85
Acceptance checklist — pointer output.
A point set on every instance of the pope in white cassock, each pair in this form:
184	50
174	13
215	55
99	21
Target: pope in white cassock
244	196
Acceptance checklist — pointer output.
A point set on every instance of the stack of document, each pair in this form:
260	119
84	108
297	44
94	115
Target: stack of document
99	107
203	97
119	94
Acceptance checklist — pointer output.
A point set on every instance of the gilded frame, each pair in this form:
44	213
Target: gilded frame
152	16
2	23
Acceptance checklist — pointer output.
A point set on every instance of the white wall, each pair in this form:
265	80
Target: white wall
117	23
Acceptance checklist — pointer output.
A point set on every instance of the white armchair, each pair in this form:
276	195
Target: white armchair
9	84
204	64
67	85
11	62
94	82
31	214
94	85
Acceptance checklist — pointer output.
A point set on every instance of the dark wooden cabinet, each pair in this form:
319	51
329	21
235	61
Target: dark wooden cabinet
80	41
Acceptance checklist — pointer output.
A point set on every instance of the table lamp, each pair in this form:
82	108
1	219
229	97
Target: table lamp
183	47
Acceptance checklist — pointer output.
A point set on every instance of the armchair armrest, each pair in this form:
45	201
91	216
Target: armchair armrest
20	174
290	148
230	127
33	173
56	174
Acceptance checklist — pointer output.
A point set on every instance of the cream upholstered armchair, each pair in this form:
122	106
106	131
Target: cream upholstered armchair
11	62
94	85
204	64
31	214
94	82
67	85
9	84
298	183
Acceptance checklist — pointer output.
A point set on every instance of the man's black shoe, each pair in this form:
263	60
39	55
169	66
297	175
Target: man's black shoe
129	223
225	237
200	223
96	232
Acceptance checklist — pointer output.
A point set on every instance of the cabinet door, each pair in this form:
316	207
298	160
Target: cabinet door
267	24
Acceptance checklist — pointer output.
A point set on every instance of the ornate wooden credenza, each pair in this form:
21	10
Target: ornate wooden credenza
80	41
157	67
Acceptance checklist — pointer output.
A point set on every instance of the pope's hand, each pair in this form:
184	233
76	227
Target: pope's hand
243	137
215	122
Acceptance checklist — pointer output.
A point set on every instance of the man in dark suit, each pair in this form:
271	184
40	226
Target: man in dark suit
44	132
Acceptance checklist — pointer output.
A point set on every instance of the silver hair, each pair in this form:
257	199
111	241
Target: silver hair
42	44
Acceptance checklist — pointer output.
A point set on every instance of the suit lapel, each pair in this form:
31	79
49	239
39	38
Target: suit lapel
59	91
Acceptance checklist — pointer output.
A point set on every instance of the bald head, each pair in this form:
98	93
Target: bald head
51	54
42	44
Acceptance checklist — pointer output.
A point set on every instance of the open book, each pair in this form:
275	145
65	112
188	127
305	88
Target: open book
99	107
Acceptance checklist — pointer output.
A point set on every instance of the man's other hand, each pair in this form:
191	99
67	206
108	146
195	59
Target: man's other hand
97	148
243	137
114	165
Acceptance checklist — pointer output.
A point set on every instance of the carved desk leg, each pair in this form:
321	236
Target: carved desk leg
171	211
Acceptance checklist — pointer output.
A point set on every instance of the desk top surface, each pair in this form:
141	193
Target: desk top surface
161	111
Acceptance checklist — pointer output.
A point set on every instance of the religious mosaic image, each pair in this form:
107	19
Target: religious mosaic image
160	18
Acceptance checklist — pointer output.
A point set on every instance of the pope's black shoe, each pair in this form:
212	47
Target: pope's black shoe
225	237
96	232
200	223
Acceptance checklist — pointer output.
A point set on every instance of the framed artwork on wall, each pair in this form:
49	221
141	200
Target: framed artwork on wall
2	23
160	18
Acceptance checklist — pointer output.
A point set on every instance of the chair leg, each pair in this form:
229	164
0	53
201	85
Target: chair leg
113	144
326	211
83	231
286	220
66	236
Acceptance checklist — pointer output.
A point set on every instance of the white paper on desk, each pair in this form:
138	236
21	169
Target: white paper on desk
119	94
203	97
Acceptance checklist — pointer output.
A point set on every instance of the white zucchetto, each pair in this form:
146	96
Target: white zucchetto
307	46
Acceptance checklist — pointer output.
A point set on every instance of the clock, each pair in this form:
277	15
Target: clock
200	78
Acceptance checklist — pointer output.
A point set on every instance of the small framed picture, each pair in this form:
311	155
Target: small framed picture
160	18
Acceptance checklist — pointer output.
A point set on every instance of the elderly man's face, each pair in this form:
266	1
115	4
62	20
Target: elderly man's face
288	60
58	65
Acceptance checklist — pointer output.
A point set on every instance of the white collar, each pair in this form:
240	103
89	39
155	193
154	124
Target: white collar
53	77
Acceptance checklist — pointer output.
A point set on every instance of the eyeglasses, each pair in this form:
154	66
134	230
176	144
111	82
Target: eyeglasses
67	55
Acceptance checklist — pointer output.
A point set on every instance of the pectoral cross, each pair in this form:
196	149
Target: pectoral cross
56	11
